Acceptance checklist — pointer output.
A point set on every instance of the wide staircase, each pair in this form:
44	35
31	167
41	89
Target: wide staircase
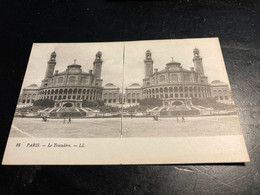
64	112
69	112
174	110
202	110
89	112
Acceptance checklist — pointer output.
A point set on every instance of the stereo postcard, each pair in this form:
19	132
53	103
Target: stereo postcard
137	102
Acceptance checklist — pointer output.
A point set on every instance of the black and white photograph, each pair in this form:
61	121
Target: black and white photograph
124	90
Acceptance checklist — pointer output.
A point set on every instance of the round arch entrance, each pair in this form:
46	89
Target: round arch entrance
177	103
68	104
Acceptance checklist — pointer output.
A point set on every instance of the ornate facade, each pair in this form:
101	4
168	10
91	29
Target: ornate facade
220	91
175	83
111	94
69	87
29	95
133	94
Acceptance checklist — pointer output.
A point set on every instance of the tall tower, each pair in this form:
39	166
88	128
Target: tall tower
51	65
148	64
97	65
197	60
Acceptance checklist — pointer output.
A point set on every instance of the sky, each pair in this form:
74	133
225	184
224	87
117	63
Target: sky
112	55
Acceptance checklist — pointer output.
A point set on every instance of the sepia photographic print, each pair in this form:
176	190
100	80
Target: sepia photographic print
139	102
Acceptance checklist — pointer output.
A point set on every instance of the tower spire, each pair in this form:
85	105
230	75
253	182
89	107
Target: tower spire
197	60
148	64
97	64
51	65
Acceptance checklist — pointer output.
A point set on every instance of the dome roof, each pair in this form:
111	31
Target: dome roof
218	82
110	85
134	86
74	68
32	86
173	63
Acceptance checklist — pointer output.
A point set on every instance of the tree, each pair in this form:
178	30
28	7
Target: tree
204	101
44	103
151	102
91	104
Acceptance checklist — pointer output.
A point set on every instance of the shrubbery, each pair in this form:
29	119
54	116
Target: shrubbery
99	105
43	103
211	103
151	102
92	104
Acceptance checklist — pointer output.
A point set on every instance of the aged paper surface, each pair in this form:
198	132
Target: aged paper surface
140	102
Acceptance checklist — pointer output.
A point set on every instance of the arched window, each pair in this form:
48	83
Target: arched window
174	78
79	91
148	83
72	80
161	90
49	92
60	91
84	91
56	91
83	80
181	89
74	91
60	80
153	91
162	78
190	89
170	89
70	91
157	90
186	89
175	89
52	91
166	90
133	96
65	91
88	91
187	78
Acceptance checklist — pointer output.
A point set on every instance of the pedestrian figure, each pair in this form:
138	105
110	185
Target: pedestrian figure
183	120
155	118
69	120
